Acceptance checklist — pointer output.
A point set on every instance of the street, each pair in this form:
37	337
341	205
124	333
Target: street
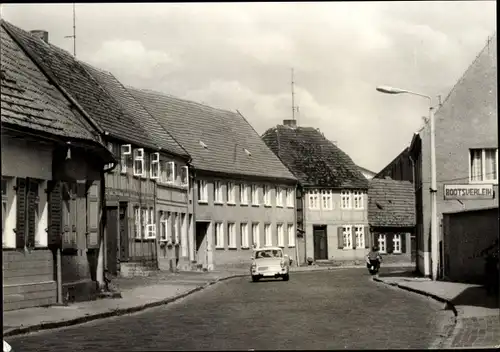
338	309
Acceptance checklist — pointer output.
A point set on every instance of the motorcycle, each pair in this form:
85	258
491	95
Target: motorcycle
373	266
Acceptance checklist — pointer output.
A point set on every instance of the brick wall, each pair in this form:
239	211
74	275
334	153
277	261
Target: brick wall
465	235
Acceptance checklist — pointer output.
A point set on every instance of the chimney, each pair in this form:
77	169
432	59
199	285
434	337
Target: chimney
43	35
290	123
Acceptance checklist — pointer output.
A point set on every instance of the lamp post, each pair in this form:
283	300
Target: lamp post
433	188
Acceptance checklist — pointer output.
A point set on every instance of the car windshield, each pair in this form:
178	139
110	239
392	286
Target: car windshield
268	253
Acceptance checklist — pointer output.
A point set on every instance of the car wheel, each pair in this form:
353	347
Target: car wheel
255	278
286	277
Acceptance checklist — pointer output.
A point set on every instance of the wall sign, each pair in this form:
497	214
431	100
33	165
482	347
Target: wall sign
465	192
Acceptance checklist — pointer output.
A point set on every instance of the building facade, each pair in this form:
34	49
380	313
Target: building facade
237	185
466	126
53	164
332	204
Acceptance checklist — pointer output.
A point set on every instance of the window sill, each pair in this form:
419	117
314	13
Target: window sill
291	246
244	204
268	206
218	203
256	205
290	206
347	249
231	204
486	182
137	239
281	245
397	253
279	206
219	248
246	248
232	248
203	202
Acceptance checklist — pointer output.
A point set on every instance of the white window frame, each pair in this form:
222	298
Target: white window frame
290	198
219	235
266	190
164	221
244	235
326	198
150	226
382	242
185	182
357	199
345	200
170	174
177	227
243	194
231	233
144	222
397	243
268	235
291	235
279	197
155	169
42	216
359	233
313	199
231	193
347	236
10	220
256	234
139	160
218	193
281	235
202	191
125	153
483	166
255	195
137	223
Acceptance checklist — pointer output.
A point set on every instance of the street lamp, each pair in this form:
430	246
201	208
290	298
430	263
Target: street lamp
433	189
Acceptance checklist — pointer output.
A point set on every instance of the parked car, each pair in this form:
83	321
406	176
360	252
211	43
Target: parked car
270	262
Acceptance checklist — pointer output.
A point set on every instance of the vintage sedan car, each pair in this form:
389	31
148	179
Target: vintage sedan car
270	262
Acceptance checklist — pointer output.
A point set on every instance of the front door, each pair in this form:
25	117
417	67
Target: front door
201	242
320	243
112	239
123	238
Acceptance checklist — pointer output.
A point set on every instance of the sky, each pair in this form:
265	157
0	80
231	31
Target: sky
240	56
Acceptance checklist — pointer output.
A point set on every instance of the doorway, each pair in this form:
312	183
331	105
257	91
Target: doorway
112	240
123	241
320	242
201	241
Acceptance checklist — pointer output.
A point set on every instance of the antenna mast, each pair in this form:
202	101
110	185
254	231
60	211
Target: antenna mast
294	108
74	31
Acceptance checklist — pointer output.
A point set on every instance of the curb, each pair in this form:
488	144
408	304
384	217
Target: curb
117	312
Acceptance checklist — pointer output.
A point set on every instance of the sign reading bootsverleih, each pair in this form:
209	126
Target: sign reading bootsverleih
464	192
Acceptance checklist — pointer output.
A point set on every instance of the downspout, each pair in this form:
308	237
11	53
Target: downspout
415	194
296	228
100	257
192	237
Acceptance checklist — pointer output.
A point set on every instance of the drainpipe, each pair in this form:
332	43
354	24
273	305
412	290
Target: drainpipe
59	276
415	194
192	238
100	255
296	228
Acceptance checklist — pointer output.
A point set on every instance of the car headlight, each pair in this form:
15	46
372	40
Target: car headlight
253	266
282	263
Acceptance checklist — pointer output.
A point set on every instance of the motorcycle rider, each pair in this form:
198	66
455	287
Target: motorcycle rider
374	258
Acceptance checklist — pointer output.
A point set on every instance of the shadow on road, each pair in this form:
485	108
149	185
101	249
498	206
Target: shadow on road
477	297
387	272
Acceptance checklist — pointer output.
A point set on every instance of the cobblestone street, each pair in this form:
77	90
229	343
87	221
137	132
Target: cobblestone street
335	309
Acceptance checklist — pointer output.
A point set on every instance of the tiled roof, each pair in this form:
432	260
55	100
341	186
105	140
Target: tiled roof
28	100
72	76
136	111
391	203
217	140
313	159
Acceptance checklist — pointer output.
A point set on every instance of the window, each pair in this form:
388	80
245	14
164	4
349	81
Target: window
164	221
255	235
382	243
139	162
231	235
289	198
255	195
155	166
347	233
326	200
358	199
218	192
483	165
345	200
202	191
267	196
360	236
185	176
176	220
137	222
396	241
5	202
291	235
243	194
231	194
268	239
281	235
171	176
125	152
244	235
9	212
219	235
313	199
279	197
144	222
151	226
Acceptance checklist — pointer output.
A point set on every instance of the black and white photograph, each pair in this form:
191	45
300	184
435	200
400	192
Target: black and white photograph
212	176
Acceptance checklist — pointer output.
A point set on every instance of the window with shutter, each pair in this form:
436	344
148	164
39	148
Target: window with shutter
21	218
55	213
93	217
9	212
32	212
367	237
340	237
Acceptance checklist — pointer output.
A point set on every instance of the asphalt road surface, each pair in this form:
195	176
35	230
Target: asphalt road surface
338	309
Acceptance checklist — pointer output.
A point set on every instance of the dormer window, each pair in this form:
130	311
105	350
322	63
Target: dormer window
203	145
139	162
185	176
155	166
125	152
171	172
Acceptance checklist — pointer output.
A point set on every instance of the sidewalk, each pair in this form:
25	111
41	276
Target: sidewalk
477	314
138	293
